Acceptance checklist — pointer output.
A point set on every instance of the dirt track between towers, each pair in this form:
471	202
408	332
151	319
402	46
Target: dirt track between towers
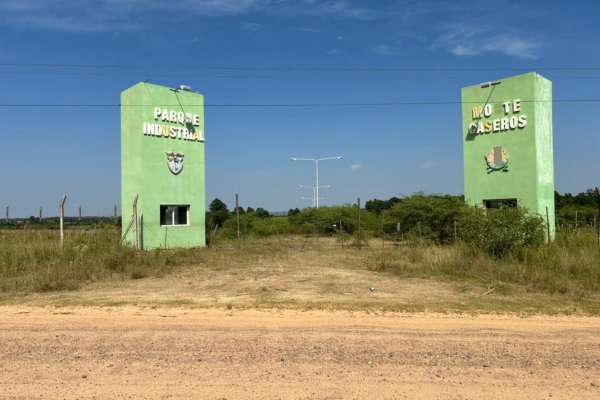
143	353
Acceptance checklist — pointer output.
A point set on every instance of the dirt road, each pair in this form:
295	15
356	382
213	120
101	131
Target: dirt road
137	353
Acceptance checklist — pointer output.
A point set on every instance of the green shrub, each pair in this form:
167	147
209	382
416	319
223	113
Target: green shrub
499	231
329	220
585	215
432	215
254	224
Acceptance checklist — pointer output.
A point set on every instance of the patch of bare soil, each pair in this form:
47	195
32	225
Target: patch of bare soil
325	277
145	353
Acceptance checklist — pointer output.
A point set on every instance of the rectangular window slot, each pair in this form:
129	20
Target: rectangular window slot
500	203
174	215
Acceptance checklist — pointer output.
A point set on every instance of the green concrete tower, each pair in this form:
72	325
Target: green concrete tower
507	145
162	162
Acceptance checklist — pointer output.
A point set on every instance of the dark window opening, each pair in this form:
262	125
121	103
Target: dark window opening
501	203
174	215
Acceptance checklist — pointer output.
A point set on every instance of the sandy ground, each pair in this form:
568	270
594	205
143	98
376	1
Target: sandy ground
176	353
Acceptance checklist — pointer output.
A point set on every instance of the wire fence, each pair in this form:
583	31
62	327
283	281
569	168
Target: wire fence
349	224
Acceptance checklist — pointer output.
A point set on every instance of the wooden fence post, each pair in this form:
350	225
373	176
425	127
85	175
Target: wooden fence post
61	210
598	222
135	221
359	226
455	230
547	225
382	232
237	214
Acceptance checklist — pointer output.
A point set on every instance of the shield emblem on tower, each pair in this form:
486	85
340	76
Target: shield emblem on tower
175	161
497	159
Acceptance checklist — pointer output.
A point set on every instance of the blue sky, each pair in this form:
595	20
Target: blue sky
276	46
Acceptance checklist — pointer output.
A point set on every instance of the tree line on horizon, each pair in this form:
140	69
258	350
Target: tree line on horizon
571	210
583	207
439	218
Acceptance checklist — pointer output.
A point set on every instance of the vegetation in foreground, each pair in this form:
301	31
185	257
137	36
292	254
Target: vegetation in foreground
542	278
436	238
32	260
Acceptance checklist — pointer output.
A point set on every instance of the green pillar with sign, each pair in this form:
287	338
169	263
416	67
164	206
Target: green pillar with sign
507	145
162	163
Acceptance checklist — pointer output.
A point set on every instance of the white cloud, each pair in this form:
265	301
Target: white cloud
197	7
251	26
465	40
19	5
514	46
120	15
431	165
463	50
309	30
342	9
205	7
382	50
356	167
113	15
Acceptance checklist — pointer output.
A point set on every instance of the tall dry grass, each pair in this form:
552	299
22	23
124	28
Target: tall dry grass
32	260
568	265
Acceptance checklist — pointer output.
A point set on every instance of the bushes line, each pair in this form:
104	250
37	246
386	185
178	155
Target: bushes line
441	219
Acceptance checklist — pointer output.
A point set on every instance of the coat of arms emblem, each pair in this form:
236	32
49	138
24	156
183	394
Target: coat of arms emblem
497	159
175	161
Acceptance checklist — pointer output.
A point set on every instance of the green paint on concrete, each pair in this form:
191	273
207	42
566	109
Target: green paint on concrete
516	137
146	138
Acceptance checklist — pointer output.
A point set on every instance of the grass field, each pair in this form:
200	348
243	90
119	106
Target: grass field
299	272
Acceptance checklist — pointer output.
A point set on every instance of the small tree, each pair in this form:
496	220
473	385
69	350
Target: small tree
434	215
329	220
262	213
217	205
376	206
217	213
241	210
